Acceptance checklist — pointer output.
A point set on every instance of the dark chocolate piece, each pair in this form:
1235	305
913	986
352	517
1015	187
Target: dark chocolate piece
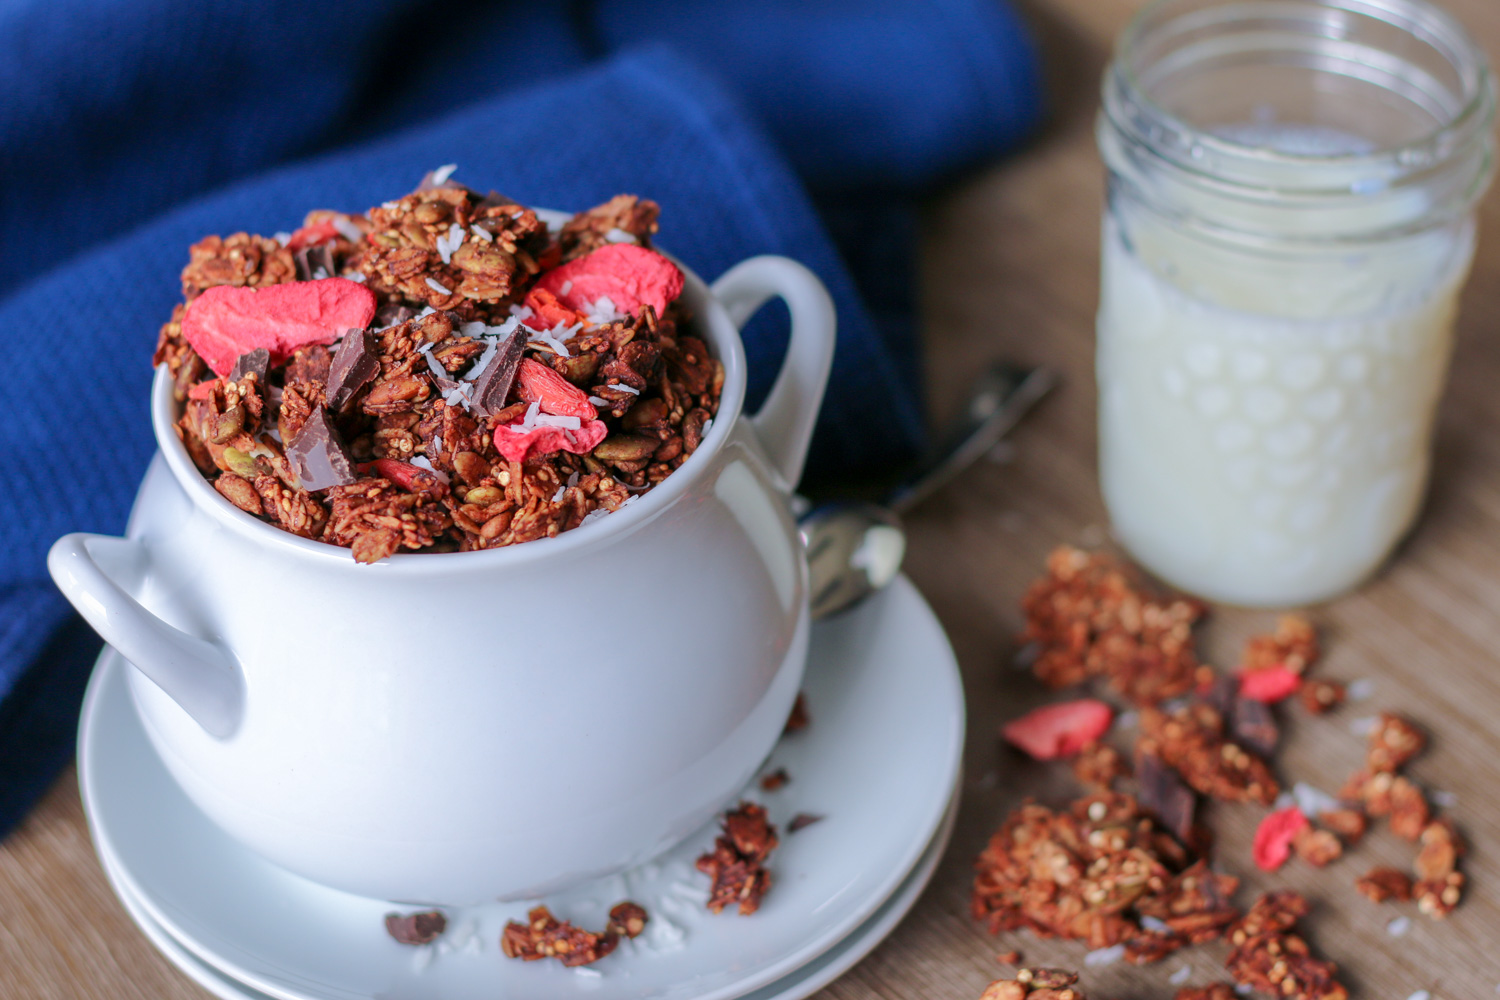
318	456
1254	727
257	361
493	384
310	260
1164	793
802	821
354	363
1221	695
416	928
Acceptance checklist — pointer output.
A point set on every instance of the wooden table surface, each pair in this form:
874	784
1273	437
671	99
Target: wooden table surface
1010	260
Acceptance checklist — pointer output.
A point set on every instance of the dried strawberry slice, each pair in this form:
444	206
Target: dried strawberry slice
312	235
546	312
536	383
226	322
1269	684
517	446
1059	730
1274	836
628	275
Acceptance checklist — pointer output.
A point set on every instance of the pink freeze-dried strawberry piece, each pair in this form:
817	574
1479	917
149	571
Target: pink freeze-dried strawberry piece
1269	684
517	446
1059	730
1274	836
311	236
627	275
546	312
226	322
536	383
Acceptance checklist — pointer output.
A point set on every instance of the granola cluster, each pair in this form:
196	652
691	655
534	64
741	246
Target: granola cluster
1034	984
544	936
737	862
1103	872
443	373
1089	618
1270	957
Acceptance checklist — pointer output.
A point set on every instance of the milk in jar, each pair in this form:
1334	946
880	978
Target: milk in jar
1285	241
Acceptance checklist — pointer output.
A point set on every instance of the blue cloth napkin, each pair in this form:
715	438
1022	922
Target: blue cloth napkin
132	129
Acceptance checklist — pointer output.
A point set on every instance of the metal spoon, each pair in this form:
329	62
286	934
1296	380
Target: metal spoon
855	549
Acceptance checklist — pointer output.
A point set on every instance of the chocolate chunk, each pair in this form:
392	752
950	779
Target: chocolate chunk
493	384
257	361
1165	794
802	821
354	364
393	314
416	928
311	260
1254	727
318	456
1221	695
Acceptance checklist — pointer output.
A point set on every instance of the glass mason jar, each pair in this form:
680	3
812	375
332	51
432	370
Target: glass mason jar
1290	219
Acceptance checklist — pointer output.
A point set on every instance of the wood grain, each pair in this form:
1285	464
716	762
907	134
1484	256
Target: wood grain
1010	261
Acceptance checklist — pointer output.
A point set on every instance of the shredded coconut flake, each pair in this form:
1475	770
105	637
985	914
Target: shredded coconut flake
1420	995
434	364
319	274
441	174
390	206
449	242
521	312
567	286
566	423
1364	725
583	972
283	238
625	388
482	234
1398	926
1359	690
1313	801
603	311
708	425
1104	956
598	401
1444	798
356	276
437	287
618	235
1181	976
347	229
1156	925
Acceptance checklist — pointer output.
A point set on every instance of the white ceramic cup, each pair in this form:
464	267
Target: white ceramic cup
460	727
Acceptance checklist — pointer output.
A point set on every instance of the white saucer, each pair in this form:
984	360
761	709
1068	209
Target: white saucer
804	982
880	761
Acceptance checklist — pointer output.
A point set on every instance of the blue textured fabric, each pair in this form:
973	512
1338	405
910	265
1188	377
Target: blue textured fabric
132	128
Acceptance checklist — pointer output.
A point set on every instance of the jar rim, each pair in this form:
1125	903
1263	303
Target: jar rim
1396	163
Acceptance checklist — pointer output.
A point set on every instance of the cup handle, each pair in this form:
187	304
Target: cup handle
785	421
200	676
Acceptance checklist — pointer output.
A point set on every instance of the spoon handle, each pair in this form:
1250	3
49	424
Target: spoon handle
995	403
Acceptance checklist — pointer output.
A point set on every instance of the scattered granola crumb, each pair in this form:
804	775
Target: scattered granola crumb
1038	984
1393	742
1382	883
1270	958
1009	957
627	920
1099	765
775	780
1090	619
1323	696
799	718
1317	847
416	928
1349	824
544	936
736	864
802	821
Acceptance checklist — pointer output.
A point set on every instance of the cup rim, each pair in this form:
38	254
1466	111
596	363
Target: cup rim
713	323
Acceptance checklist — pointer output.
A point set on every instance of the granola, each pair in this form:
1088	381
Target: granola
1103	872
442	373
1192	741
737	862
1090	619
1268	956
1034	984
544	936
